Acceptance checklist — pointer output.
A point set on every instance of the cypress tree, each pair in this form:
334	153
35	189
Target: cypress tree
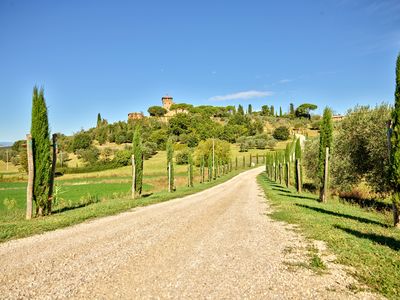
395	151
287	164
291	109
325	141
272	110
250	109
138	153
280	111
298	172
98	120
41	152
170	165
240	110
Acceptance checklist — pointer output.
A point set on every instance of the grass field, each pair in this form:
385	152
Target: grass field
360	238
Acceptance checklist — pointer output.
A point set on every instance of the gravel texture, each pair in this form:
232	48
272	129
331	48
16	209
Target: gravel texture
217	244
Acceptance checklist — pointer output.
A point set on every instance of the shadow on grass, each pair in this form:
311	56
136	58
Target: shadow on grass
67	208
377	238
281	190
298	196
341	215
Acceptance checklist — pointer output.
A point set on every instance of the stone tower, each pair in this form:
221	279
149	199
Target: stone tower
167	101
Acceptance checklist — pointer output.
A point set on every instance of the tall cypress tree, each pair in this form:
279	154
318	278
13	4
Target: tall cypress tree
99	120
280	111
272	110
291	109
395	151
298	172
240	110
325	141
250	109
138	153
41	152
170	163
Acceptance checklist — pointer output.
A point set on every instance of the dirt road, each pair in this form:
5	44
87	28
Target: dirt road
217	244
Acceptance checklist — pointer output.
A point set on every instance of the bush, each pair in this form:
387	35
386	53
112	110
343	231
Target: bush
89	155
281	133
261	143
149	149
182	157
271	143
244	146
81	140
122	158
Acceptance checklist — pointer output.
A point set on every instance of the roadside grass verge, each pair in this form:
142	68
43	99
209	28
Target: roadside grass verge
361	239
13	228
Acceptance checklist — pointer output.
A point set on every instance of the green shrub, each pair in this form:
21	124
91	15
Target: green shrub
122	158
81	140
281	133
182	157
89	155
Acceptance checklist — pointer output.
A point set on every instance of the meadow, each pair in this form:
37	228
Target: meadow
361	238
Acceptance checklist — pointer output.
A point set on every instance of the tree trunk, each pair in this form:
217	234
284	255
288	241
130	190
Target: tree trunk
396	214
133	176
29	189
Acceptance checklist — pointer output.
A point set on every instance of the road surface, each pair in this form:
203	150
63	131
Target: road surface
217	244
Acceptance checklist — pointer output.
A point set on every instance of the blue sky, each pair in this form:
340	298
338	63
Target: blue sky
115	57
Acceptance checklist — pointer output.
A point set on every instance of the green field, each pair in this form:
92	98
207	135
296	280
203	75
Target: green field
360	238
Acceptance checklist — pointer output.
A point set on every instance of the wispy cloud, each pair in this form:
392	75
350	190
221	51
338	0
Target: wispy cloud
242	95
285	81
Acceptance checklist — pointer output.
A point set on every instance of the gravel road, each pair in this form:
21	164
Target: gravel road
217	244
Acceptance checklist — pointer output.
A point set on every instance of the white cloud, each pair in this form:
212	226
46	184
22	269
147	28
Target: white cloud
285	80
242	95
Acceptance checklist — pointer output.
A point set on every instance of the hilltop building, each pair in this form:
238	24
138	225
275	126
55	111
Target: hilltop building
167	101
337	118
135	116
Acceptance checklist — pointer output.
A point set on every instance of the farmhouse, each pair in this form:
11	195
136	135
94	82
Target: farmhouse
135	116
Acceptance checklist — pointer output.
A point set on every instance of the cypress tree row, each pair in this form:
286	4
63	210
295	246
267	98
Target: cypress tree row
170	166
395	151
41	153
325	141
138	153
